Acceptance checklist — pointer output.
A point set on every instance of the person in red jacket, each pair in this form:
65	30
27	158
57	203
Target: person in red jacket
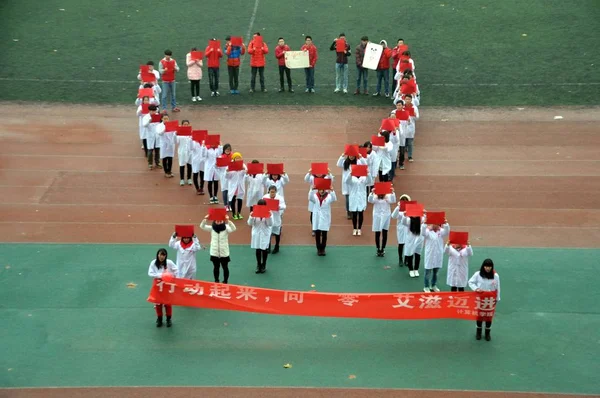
383	70
167	68
233	64
280	55
213	53
396	55
312	60
257	61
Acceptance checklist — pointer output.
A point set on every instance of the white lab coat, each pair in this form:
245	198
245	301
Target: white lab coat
310	179
395	140
261	232
345	173
414	243
411	127
210	163
458	265
151	135
198	155
141	121
219	242
434	245
256	189
186	258
277	215
167	143
155	272
357	192
184	153
402	230
145	127
383	159
280	183
236	184
381	211
321	219
487	285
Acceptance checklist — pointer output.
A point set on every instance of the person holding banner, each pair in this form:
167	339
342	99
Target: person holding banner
257	50
186	248
167	68
342	51
322	199
382	196
312	60
235	48
219	241
459	250
261	221
214	53
485	280
280	55
276	204
434	234
193	60
159	267
363	73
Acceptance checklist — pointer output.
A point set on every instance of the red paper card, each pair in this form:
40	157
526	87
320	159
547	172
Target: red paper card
196	55
359	170
255	168
363	152
405	65
351	150
415	210
436	217
156	118
212	140
148	77
145	109
377	140
275	168
223	161
340	45
319	168
146	92
272	204
402	48
237	41
404	203
184	131
171	125
261	211
402	115
199	135
258	41
322	183
390	124
144	69
217	214
236	165
382	188
184	231
214	44
458	238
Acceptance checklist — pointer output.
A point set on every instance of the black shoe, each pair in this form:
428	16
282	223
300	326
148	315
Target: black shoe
382	252
269	250
276	249
488	335
217	281
263	268
378	253
281	90
169	323
323	252
478	334
258	268
159	322
400	264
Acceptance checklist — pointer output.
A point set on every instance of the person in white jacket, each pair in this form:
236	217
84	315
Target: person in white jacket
184	156
186	255
277	218
198	156
485	280
434	253
139	102
381	218
152	145
211	172
414	244
167	146
157	269
255	187
310	179
279	180
219	245
321	222
411	125
357	200
401	229
382	164
236	188
458	266
261	238
346	162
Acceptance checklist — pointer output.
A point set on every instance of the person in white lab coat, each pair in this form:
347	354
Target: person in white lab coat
261	238
277	218
152	146
255	189
211	172
186	248
236	188
221	173
382	163
198	156
370	157
458	266
279	180
357	200
346	162
485	280
140	115
381	218
184	156
414	244
434	252
310	179
402	230
158	267
167	146
321	222
219	245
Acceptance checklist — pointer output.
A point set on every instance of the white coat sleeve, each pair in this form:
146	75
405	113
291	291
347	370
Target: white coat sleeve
405	221
340	162
307	177
333	196
497	277
371	197
311	196
196	245
424	230
396	213
251	221
452	251
282	205
173	243
467	251
473	281
362	161
172	267
205	227
331	177
153	271
445	229
146	120
230	227
269	221
285	179
391	199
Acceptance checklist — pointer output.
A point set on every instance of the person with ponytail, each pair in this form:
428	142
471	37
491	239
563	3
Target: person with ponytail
485	280
219	245
402	230
413	245
159	267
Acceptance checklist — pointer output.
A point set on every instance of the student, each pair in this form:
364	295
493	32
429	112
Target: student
395	137
413	113
159	267
485	280
211	172
198	156
184	156
213	54
152	145
222	177
144	101
458	266
219	245
401	114
382	163
312	61
321	221
156	74
280	55
152	100
233	64
310	179
279	180
341	65
434	252
370	158
357	200
402	230
277	218
346	162
396	55
261	238
257	63
167	146
362	73
381	218
236	188
186	248
168	67
383	70
414	244
194	74
255	187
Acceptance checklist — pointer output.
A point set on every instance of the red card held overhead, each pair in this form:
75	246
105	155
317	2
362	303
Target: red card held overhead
359	170
148	77
351	150
185	131
217	214
275	168
199	135
458	238
390	124
340	45
272	204
382	188
436	217
212	140
156	118
145	69
146	92
404	203
258	41
171	125
237	41
319	168
145	110
414	210
363	152
184	231
261	211
322	184
214	44
223	161
402	115
196	55
255	168
377	140
236	165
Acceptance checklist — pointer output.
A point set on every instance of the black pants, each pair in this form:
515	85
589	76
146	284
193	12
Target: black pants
488	324
357	219
457	289
234	75
401	151
381	236
145	144
383	177
232	205
168	164
277	238
182	172
213	79
288	73
393	80
400	250
213	188
201	186
261	258
409	262
261	72
218	263
321	239
195	88
156	152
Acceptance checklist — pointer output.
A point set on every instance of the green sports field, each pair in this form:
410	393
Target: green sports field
467	52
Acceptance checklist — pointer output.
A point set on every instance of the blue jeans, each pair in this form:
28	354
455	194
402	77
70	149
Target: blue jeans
341	76
428	273
168	88
385	75
364	74
310	77
409	146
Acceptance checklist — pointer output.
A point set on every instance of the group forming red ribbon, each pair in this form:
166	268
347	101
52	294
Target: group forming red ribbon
441	305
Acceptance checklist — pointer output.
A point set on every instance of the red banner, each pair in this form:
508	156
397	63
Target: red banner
442	305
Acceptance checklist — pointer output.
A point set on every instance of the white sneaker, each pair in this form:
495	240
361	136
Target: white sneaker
190	182
427	290
193	99
435	289
354	232
181	182
198	98
411	274
416	273
217	94
345	91
359	233
337	90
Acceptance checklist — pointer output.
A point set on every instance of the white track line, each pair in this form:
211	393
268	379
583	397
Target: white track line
249	32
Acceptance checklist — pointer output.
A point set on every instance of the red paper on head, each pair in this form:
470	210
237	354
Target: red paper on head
148	77
404	203
458	238
319	168
184	131
237	41
414	210
145	109
156	118
261	211
382	188
199	135
377	140
351	150
402	115
212	140
145	69
408	88
184	231
405	65
214	44
275	168
217	214
322	183
359	170
146	92
363	152
196	55
258	41
436	217
402	48
255	168
390	124
223	161
340	45
236	165
172	125
272	204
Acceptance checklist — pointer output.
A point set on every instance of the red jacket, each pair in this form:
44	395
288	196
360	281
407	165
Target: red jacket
169	66
234	61
279	53
312	54
384	61
397	52
214	56
257	58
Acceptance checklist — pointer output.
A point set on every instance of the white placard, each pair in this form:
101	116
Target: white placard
296	59
372	54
